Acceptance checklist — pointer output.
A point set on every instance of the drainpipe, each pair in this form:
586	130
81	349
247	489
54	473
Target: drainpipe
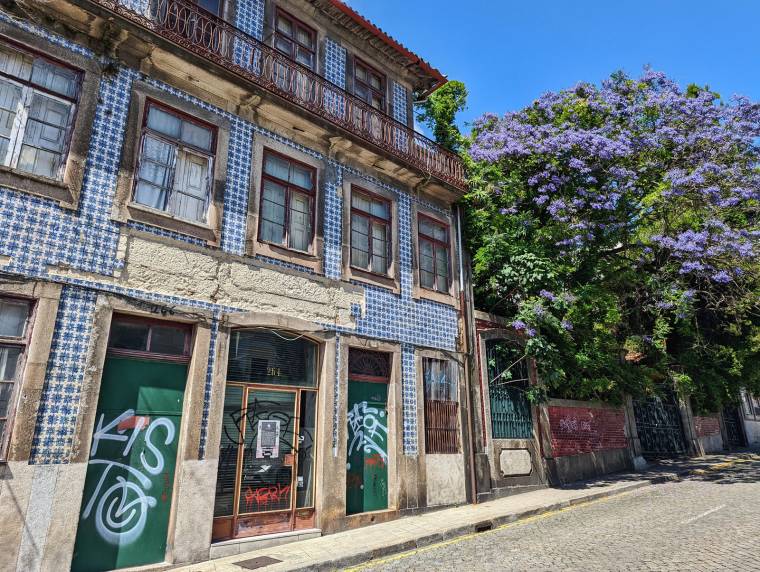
469	328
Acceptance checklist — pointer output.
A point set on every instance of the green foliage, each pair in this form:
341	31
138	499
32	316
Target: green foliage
439	112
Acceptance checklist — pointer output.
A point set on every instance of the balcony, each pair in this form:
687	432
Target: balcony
185	24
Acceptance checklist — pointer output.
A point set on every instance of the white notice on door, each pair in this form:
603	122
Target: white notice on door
268	440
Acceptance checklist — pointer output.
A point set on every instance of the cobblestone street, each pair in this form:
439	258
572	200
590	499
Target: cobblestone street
705	522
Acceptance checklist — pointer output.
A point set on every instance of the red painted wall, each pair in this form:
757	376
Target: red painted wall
706	426
578	430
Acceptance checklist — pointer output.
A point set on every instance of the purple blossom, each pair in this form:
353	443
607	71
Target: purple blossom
548	295
721	277
519	325
530	332
567	325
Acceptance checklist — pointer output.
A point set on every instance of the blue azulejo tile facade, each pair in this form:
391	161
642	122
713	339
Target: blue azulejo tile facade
37	234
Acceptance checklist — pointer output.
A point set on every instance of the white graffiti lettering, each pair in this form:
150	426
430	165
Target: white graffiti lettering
573	424
121	509
367	428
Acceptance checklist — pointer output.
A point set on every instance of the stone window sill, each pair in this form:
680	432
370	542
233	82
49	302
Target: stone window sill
147	215
37	185
372	279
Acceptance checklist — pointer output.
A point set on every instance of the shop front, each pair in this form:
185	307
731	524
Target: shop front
266	475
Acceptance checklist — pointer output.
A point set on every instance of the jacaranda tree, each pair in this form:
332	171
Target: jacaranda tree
617	227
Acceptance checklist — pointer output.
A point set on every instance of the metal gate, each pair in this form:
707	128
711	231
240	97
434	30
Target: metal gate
658	423
733	423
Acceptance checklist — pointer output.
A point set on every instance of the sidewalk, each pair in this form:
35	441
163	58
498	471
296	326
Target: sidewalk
354	547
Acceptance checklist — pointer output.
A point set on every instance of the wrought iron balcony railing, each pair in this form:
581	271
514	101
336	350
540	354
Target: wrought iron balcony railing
185	24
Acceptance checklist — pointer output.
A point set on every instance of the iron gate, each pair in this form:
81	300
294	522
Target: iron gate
658	423
734	433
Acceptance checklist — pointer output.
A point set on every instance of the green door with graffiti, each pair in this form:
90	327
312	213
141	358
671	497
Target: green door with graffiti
367	434
128	489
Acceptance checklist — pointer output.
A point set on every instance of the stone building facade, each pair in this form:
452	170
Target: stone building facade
229	281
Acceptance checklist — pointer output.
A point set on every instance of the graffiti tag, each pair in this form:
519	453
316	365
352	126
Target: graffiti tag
367	430
121	509
264	496
572	424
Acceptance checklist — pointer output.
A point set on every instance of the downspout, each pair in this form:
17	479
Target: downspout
464	303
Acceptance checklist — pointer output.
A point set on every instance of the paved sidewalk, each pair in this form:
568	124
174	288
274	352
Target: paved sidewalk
353	547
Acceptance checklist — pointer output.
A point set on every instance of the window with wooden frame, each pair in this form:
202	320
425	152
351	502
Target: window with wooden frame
134	336
286	204
175	166
295	39
434	254
371	242
14	318
38	102
441	406
369	84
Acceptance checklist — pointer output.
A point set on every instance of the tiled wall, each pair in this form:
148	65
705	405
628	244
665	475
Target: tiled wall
36	233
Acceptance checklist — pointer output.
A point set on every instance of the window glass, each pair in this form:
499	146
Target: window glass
295	40
440	379
13	316
8	362
167	340
172	177
286	205
129	336
370	232
270	357
35	125
369	85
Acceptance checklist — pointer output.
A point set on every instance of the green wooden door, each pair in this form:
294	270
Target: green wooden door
367	462
130	476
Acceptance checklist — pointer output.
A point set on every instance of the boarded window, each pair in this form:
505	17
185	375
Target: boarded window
175	165
441	406
37	105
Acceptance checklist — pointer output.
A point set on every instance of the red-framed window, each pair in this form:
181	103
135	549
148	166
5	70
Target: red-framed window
371	239
434	254
369	84
134	336
175	166
295	39
38	102
15	315
441	406
286	210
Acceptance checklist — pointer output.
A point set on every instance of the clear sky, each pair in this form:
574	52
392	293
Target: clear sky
508	52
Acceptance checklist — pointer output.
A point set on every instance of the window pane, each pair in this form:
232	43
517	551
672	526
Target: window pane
276	166
15	63
377	102
13	317
198	136
155	173
304	57
442	268
129	336
439	377
284	45
361	73
360	201
55	78
301	176
164	122
359	241
279	358
210	5
273	213
158	150
8	361
6	391
45	136
284	26
306	450
375	81
304	37
381	209
168	340
233	425
188	207
361	91
150	195
300	221
427	278
9	97
440	233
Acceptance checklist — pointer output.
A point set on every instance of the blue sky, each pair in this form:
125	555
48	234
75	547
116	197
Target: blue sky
508	51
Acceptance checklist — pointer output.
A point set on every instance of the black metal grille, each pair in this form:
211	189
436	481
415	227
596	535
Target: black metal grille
658	422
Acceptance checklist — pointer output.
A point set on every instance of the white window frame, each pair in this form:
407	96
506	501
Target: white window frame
22	117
